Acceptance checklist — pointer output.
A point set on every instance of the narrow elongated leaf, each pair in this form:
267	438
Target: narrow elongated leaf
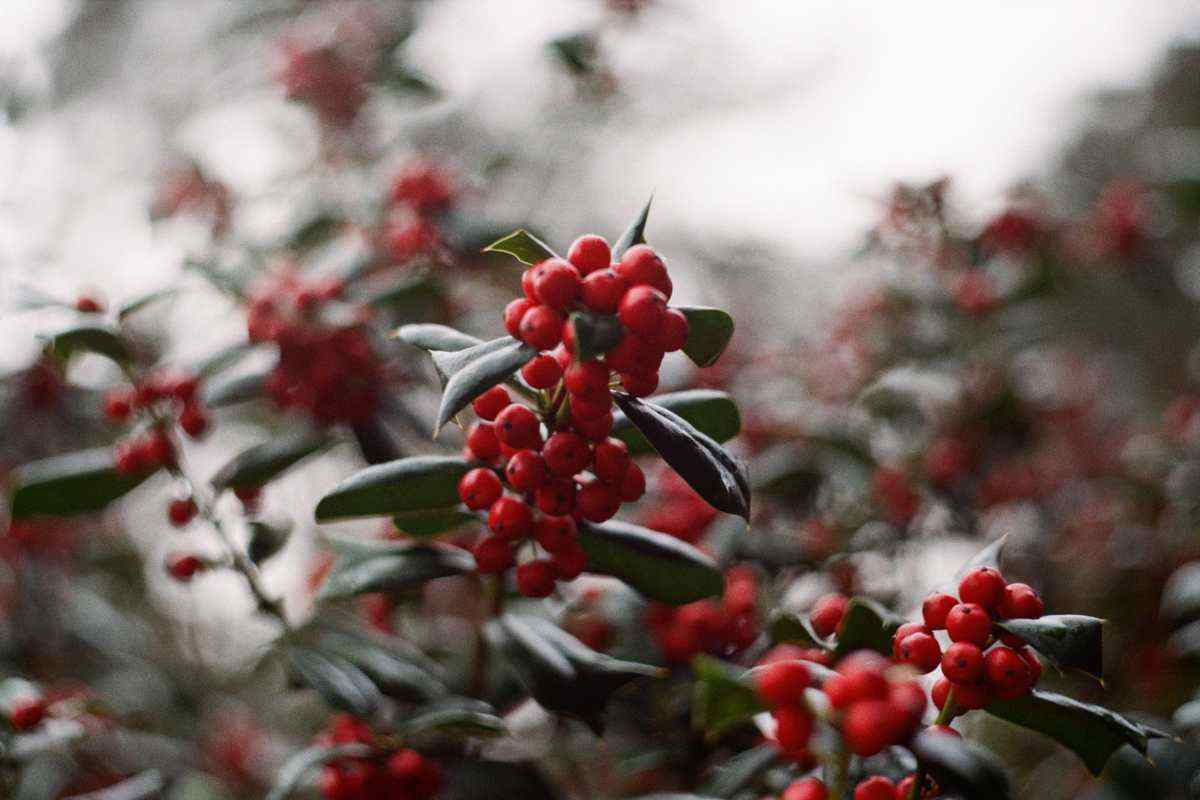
866	625
75	483
961	768
595	334
340	683
634	234
230	390
420	483
657	566
523	246
709	332
391	567
90	339
585	658
454	720
723	696
699	460
262	462
740	772
294	770
1069	641
423	524
1092	732
395	676
413	299
429	336
479	375
135	305
375	441
709	411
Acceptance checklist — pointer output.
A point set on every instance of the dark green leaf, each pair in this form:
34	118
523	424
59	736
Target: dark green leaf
395	676
450	363
1094	733
375	441
584	658
391	566
407	80
709	332
317	230
987	557
479	375
785	626
229	390
420	483
262	462
454	720
866	626
658	566
523	246
577	52
723	696
1069	641
413	299
699	460
423	524
138	303
266	540
90	339
960	767
75	483
340	683
294	770
634	234
429	336
740	772
710	411
595	334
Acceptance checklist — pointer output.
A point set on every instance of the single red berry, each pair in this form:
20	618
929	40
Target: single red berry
876	787
921	651
413	775
673	334
591	407
482	441
526	471
88	305
597	501
971	696
909	697
511	519
1020	601
642	310
827	613
542	372
782	683
805	789
589	253
594	429
963	663
1005	670
180	511
641	266
1033	663
586	379
492	555
563	356
969	622
128	458
491	403
935	608
633	354
527	279
556	497
939	693
633	484
868	726
793	727
610	460
536	578
118	404
567	333
26	713
903	631
602	291
514	312
570	562
517	426
541	327
184	567
640	384
567	454
555	534
158	450
247	494
557	284
479	489
193	420
983	586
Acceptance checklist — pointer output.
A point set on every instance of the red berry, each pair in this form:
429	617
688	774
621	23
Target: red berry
935	608
1033	663
567	454
570	562
415	777
511	519
673	333
593	429
184	567
88	305
939	693
527	278
642	310
562	355
968	622
158	450
542	372
556	497
118	404
640	265
632	354
514	312
536	578
247	494
597	501
963	663
640	384
517	426
589	253
26	713
129	458
868	726
541	327
876	787
971	697
479	489
193	420
491	403
526	471
633	484
1006	671
482	441
782	683
610	461
909	697
492	555
602	291
557	284
921	651
181	511
591	407
827	613
1020	601
983	586
805	789
793	727
555	534
903	631
586	379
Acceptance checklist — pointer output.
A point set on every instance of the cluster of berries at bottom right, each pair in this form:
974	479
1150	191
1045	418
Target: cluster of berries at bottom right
401	775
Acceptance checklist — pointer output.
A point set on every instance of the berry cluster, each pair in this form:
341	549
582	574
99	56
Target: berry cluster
781	685
327	368
327	59
878	709
718	627
982	662
420	191
402	774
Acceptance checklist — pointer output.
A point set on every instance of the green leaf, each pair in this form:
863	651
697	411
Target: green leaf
577	52
866	626
987	557
316	230
740	772
710	411
424	524
467	721
784	626
723	696
340	683
391	566
294	770
375	441
961	768
429	336
395	676
138	303
523	246
595	334
266	540
709	332
1093	732
658	566
634	234
480	374
699	460
416	298
90	339
262	462
75	483
419	483
229	390
1069	641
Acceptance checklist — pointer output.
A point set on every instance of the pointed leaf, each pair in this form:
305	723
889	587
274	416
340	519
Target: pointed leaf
866	625
90	339
266	540
392	567
710	411
786	626
420	483
412	299
375	441
75	483
481	374
1069	641
424	524
961	768
595	334
709	332
135	305
257	465
700	461
723	696
523	246
294	770
454	720
340	683
429	336
395	676
634	234
657	566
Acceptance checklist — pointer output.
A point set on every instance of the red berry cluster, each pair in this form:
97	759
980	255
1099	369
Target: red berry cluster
877	709
718	627
327	369
402	774
982	662
541	477
877	787
420	191
636	290
781	685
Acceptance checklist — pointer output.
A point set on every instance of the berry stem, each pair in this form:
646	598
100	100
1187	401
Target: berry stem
836	770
